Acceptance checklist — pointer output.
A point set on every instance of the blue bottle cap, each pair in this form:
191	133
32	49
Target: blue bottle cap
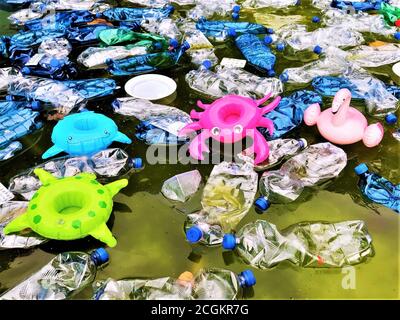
316	19
55	63
116	104
270	31
280	47
170	8
298	2
136	163
207	64
248	277
100	256
25	70
236	8
361	169
284	77
271	73
202	19
317	49
397	35
235	16
99	15
194	234
9	98
185	46
262	204
229	241
174	43
231	32
268	40
302	143
391	118
36	106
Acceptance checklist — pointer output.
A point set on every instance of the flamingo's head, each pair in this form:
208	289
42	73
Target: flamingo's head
342	98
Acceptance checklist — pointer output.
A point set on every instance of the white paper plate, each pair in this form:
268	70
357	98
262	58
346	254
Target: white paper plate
150	87
396	69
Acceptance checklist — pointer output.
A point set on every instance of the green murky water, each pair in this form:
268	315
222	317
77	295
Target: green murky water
149	229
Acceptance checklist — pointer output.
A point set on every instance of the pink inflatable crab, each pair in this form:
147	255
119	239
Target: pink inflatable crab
342	124
228	120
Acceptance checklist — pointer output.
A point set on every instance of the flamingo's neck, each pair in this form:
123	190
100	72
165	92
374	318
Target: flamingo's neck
339	118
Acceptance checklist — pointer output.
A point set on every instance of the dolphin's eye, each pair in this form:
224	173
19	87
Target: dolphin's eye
106	132
215	131
238	129
70	138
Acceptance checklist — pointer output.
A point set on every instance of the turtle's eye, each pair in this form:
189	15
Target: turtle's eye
215	131
238	129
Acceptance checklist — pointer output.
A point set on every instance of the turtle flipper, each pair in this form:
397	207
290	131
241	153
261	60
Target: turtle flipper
18	224
104	234
44	176
123	138
52	152
116	186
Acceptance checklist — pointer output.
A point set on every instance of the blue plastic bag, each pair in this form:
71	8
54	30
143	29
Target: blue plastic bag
221	29
366	5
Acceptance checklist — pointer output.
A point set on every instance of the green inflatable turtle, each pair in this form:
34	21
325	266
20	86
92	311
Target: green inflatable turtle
70	208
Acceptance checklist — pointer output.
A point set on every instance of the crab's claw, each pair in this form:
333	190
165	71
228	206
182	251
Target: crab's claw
191	127
271	106
266	123
195	115
311	114
373	135
198	145
260	147
202	105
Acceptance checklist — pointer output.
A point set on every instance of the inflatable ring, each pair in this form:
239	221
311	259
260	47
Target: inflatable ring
70	208
84	134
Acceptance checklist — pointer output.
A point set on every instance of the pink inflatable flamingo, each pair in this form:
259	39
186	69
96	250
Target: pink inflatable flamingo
342	124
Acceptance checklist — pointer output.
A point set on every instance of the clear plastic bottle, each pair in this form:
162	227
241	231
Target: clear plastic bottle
206	9
227	197
307	244
106	164
378	189
376	54
67	274
181	186
58	47
317	164
260	86
257	4
208	284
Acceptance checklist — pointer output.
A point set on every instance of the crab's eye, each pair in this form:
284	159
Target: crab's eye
215	131
238	129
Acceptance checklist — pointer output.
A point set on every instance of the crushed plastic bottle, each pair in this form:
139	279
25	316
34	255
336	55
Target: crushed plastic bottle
280	150
379	101
9	211
307	244
42	65
64	276
58	47
208	284
222	30
376	54
361	22
166	118
324	38
6	76
206	9
146	63
181	186
378	189
257	53
227	197
166	28
319	163
8	151
257	4
333	63
106	164
289	113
